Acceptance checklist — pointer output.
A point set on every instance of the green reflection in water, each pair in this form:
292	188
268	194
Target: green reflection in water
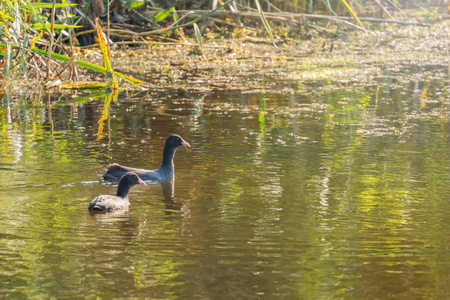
338	193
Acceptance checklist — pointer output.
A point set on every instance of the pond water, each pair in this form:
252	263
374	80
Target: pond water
310	191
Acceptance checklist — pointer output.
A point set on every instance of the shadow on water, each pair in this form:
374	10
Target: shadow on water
328	190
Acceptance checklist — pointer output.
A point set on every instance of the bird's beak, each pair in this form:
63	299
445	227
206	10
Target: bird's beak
186	144
142	182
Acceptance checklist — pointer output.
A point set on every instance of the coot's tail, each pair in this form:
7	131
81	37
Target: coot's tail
115	171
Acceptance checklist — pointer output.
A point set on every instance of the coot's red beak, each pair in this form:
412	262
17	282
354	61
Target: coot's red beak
142	182
186	144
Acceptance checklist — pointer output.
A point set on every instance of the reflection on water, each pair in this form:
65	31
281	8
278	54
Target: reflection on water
329	192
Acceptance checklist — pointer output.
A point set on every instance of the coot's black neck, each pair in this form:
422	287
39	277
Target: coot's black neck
168	153
123	188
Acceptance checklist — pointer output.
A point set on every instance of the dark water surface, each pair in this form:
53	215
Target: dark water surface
328	191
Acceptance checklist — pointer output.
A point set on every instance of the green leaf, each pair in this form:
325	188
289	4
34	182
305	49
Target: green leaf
263	18
175	17
55	26
29	5
104	46
162	14
8	59
133	3
86	65
24	55
50	5
36	38
13	10
79	85
352	13
198	35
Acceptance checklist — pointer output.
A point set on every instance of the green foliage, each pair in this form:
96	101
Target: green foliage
87	65
263	19
133	4
8	58
18	29
163	14
352	13
198	35
55	26
50	5
431	15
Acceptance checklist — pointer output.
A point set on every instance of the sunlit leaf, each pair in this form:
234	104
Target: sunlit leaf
115	84
104	46
36	38
198	35
87	65
55	26
175	17
115	96
105	115
162	14
133	3
8	59
35	14
263	18
24	55
79	85
50	5
5	17
351	12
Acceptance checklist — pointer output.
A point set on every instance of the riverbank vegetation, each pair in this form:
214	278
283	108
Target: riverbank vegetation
49	42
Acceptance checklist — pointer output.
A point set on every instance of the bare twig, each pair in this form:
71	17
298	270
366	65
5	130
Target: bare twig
273	6
72	60
84	17
393	4
159	30
234	25
159	43
384	9
274	16
282	16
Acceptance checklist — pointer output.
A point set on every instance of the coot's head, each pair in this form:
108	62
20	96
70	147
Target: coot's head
131	179
176	141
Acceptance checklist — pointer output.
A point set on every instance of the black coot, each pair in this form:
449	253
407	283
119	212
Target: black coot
109	203
166	171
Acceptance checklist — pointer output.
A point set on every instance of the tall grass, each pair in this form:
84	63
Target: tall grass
31	39
34	35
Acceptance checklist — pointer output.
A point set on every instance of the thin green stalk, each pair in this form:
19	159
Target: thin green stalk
80	63
88	65
50	49
328	5
352	13
8	59
23	56
264	20
107	26
198	35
